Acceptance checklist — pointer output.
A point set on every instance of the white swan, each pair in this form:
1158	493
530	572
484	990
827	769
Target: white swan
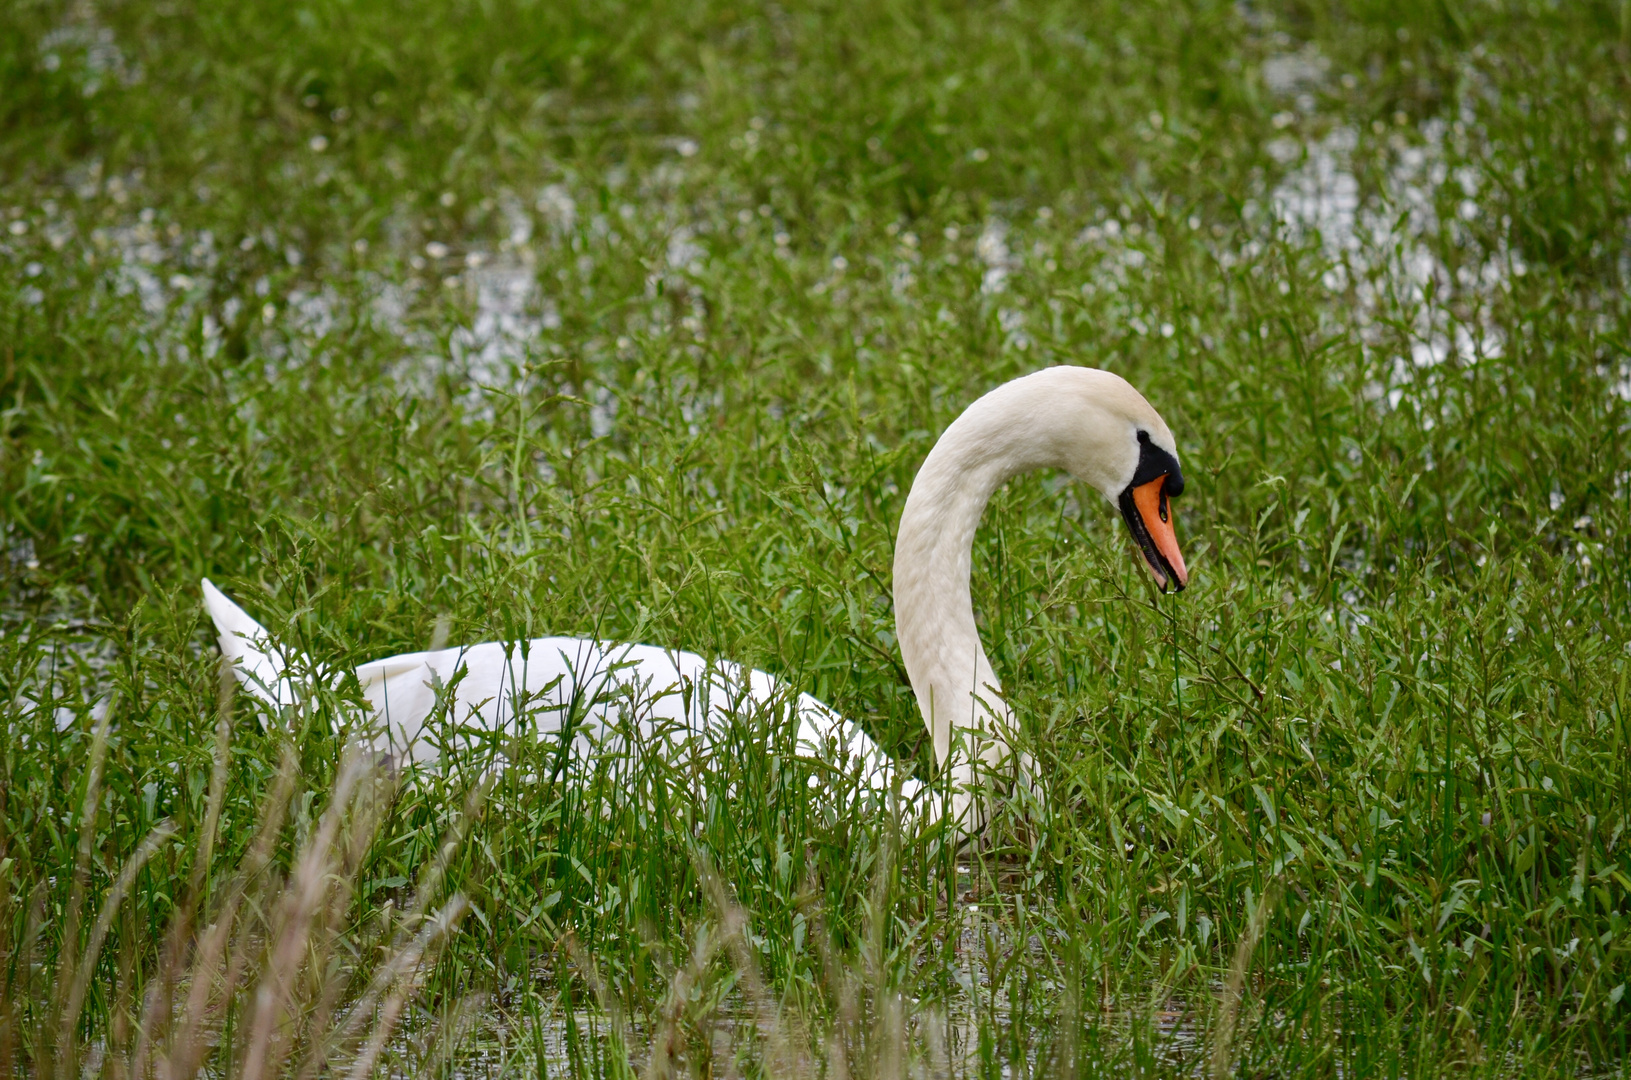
1088	422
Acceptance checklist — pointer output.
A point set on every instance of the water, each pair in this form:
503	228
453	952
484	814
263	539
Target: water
1381	250
950	1033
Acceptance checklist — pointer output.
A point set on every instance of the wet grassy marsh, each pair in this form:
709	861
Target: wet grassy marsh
500	320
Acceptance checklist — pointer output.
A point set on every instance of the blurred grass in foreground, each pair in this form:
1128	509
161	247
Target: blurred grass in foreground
637	321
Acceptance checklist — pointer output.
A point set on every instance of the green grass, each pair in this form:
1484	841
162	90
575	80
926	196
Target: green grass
764	255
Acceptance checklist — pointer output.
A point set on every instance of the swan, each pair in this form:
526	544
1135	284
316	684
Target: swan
1088	422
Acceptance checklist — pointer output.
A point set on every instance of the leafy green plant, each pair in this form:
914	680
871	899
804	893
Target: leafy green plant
483	322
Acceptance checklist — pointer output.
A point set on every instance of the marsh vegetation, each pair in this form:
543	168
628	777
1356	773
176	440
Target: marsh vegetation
425	321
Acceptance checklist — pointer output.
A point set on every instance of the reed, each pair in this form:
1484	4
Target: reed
249	980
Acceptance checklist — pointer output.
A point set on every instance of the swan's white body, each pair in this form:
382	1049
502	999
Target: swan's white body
615	698
1088	422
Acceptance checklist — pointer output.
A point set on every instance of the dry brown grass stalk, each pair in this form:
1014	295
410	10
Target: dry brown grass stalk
66	1062
787	1056
86	966
298	908
669	1040
1223	1064
604	996
271	950
407	970
216	969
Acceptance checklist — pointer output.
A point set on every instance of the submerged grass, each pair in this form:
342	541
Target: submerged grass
492	321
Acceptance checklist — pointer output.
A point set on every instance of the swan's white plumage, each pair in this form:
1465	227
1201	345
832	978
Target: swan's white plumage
670	701
255	660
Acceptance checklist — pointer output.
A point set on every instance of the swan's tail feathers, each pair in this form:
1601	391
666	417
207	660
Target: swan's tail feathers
259	665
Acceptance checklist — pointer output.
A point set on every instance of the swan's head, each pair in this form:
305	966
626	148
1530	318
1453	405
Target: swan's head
1120	445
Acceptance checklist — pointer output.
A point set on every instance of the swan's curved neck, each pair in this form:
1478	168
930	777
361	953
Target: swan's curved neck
934	614
1053	418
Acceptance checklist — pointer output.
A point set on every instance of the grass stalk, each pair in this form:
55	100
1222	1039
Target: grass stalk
1232	994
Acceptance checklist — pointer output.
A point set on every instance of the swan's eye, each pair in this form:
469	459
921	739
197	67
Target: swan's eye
1154	463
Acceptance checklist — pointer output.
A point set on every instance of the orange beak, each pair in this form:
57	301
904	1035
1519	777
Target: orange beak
1150	519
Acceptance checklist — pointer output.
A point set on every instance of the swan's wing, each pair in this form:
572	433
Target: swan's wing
820	727
537	686
259	665
494	686
401	693
674	695
822	731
